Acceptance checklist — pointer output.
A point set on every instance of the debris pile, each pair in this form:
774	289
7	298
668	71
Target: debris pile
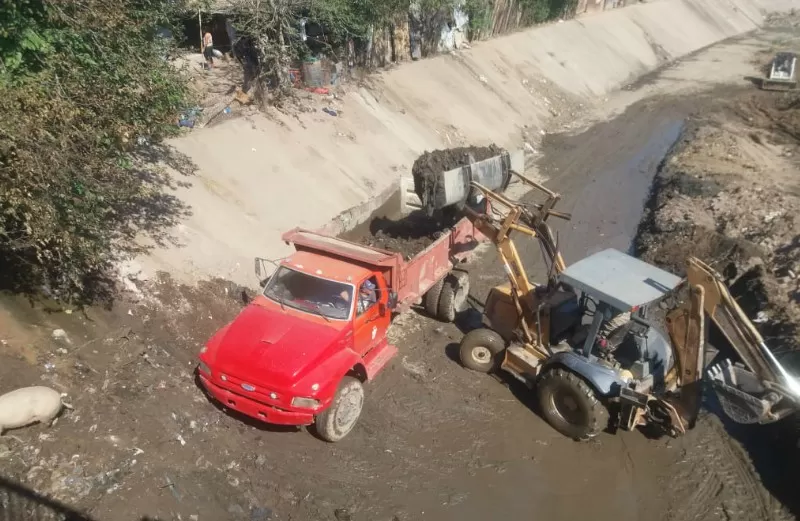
729	195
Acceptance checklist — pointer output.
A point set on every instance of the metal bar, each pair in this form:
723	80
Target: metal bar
599	314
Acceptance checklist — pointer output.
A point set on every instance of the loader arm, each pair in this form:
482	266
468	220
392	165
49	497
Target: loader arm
761	392
508	216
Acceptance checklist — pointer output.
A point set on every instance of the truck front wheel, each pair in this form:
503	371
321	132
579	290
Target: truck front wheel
335	422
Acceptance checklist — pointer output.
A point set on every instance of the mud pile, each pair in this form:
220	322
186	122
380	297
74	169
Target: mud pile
409	234
429	164
729	195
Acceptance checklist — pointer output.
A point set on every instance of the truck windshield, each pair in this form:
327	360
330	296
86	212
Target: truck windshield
311	294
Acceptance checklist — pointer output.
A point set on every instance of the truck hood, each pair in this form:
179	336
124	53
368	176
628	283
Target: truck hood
274	348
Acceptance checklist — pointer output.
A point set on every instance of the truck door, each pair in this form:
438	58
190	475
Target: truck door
372	314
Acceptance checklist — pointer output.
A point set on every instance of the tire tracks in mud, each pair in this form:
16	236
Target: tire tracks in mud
719	482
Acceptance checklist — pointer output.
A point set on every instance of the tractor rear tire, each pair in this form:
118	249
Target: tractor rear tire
481	350
336	422
453	299
570	405
430	301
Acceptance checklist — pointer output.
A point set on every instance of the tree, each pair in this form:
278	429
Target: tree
86	96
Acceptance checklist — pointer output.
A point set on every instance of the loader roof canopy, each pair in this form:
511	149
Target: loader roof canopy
619	280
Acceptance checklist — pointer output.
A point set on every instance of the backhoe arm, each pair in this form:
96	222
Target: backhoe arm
761	392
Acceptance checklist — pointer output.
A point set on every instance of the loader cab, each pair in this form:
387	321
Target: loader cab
614	291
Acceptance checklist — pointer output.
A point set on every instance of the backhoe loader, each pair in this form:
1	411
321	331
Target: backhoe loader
588	338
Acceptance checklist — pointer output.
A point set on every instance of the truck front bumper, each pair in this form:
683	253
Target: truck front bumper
252	408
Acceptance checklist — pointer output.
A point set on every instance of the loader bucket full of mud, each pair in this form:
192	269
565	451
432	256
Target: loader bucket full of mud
442	178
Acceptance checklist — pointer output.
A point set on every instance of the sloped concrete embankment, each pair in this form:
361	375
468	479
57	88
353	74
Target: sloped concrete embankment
262	175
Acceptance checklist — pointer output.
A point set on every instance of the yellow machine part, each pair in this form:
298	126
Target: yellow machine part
501	312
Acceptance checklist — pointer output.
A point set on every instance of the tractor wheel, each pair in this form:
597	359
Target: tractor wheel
454	296
570	405
481	350
430	301
335	422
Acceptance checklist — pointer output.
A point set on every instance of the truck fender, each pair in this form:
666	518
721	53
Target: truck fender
328	375
605	380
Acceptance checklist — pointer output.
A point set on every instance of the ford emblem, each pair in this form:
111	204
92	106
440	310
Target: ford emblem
248	387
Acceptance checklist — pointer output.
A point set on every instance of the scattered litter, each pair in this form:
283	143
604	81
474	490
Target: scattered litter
483	79
329	111
416	369
61	351
226	110
181	440
49	366
761	318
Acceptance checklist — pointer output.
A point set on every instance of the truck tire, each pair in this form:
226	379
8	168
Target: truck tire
454	296
481	350
335	422
570	405
431	299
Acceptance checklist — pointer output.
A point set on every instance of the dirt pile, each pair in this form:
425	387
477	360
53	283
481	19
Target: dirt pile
427	166
729	194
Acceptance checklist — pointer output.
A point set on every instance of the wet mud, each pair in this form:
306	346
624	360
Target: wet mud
429	165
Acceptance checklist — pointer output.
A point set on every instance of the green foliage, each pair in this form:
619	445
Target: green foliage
83	86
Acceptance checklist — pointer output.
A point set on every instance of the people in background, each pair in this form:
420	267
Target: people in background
208	49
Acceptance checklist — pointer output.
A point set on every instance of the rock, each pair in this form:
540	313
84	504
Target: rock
342	514
61	335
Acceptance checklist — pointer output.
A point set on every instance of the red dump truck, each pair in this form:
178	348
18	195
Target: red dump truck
300	352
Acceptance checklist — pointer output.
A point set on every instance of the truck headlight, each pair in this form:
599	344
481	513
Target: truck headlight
203	368
307	403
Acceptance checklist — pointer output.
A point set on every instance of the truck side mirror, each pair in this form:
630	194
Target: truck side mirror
392	299
258	268
382	309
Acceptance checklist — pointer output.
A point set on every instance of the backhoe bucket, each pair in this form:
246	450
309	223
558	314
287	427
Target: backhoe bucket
737	390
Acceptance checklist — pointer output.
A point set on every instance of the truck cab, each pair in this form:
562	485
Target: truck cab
300	352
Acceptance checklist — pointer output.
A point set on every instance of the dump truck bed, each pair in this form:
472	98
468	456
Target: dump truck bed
411	278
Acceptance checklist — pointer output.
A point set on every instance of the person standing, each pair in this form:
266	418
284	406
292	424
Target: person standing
208	49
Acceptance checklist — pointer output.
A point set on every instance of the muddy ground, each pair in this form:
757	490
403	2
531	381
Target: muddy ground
434	442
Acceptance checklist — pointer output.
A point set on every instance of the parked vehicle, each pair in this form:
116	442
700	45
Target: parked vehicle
301	352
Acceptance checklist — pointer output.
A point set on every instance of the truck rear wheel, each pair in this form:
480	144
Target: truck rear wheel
431	299
454	296
335	422
570	405
480	350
